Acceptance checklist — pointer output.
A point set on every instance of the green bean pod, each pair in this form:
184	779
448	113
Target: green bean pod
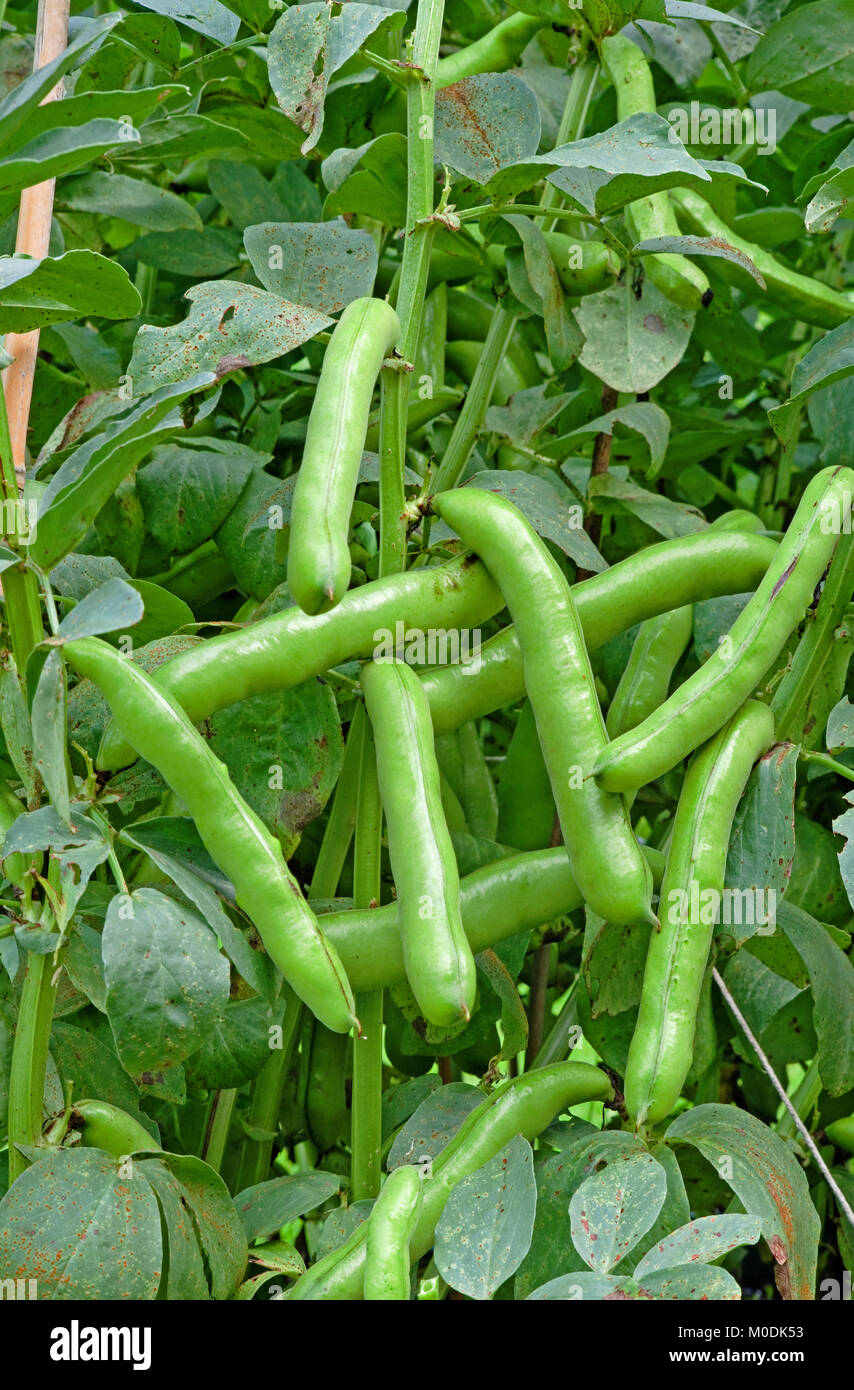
391	1225
708	698
684	570
802	296
691	895
461	761
526	807
234	836
326	1096
318	556
496	51
841	1133
599	267
737	520
525	1105
105	1126
605	856
656	652
676	276
439	963
289	647
497	901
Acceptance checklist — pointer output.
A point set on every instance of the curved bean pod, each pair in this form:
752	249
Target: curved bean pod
663	1042
525	1105
439	963
234	836
391	1226
605	856
655	654
290	647
499	900
318	555
708	698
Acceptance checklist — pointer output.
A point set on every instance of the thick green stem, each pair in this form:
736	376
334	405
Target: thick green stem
585	75
29	1058
20	586
412	287
257	1154
342	817
470	419
366	1118
216	1131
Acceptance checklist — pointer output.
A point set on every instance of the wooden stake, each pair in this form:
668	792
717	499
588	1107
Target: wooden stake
34	218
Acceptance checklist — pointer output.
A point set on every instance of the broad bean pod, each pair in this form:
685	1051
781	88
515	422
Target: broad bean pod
290	647
497	901
708	698
525	1105
440	966
105	1126
526	807
691	893
603	852
802	296
318	555
234	836
676	276
655	654
391	1225
496	51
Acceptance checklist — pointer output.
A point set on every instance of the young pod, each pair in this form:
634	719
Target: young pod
318	554
605	857
439	963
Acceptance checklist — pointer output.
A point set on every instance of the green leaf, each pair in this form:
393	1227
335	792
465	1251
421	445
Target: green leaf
644	417
485	1229
832	981
324	265
61	151
24	99
114	607
84	1227
154	838
207	17
229	326
48	722
237	1046
613	1209
89	476
815	884
144	204
433	1124
215	1219
486	122
804	56
166	980
309	43
370	180
562	333
514	1020
583	1285
768	1181
829	360
701	1282
185	1271
699	246
188	492
704	1240
610	492
204	251
632	340
268	1206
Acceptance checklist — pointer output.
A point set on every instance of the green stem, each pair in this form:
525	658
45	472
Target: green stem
29	1059
342	817
529	209
556	1045
145	281
585	75
729	67
787	456
825	760
412	287
219	1123
366	1115
257	1154
470	419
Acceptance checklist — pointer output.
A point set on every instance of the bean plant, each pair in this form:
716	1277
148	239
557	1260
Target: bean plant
426	737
